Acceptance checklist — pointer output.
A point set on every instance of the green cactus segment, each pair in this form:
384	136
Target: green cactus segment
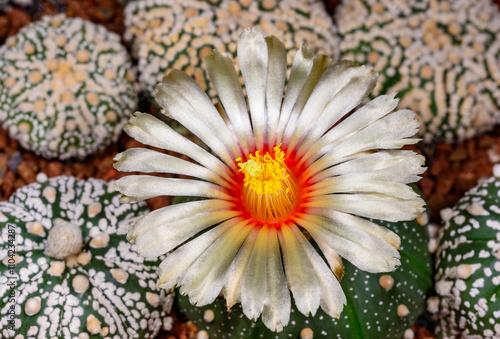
67	86
104	290
468	265
371	310
170	34
440	55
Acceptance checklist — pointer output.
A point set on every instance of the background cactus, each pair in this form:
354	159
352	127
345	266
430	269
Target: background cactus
468	265
66	87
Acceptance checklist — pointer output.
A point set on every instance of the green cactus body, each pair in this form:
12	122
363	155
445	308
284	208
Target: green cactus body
67	86
468	265
378	305
97	288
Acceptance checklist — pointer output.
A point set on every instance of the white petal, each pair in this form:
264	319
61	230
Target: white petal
395	165
356	222
301	67
372	111
332	298
225	81
321	63
341	88
175	265
254	283
232	288
140	187
276	75
388	132
333	259
151	131
361	182
370	205
276	313
163	238
175	212
299	273
179	106
149	161
365	250
253	58
203	281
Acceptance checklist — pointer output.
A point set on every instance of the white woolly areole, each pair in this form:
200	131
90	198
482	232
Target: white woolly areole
64	239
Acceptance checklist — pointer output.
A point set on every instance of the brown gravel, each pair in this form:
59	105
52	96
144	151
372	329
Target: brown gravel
454	169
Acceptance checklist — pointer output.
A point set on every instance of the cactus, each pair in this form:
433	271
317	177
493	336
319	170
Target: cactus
468	265
63	245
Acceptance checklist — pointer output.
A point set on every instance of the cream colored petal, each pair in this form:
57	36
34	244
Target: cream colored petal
149	161
173	268
332	298
370	205
299	73
151	131
339	91
395	165
276	76
320	65
253	59
361	182
365	250
140	187
332	79
254	282
174	213
232	288
362	117
333	259
364	225
388	132
276	312
161	239
202	106
225	81
203	281
348	98
181	109
300	275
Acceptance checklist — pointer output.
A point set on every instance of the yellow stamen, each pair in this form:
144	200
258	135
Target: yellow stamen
270	194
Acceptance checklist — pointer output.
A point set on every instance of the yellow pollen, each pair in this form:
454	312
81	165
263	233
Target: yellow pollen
264	174
270	194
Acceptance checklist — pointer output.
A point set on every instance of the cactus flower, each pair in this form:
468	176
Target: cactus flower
286	187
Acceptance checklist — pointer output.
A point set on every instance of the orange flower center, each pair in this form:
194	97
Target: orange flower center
270	191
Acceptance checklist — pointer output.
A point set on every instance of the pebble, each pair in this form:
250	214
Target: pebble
4	26
14	161
17	19
27	171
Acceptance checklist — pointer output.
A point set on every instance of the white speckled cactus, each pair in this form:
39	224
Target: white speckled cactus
168	34
442	56
76	274
66	87
468	265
